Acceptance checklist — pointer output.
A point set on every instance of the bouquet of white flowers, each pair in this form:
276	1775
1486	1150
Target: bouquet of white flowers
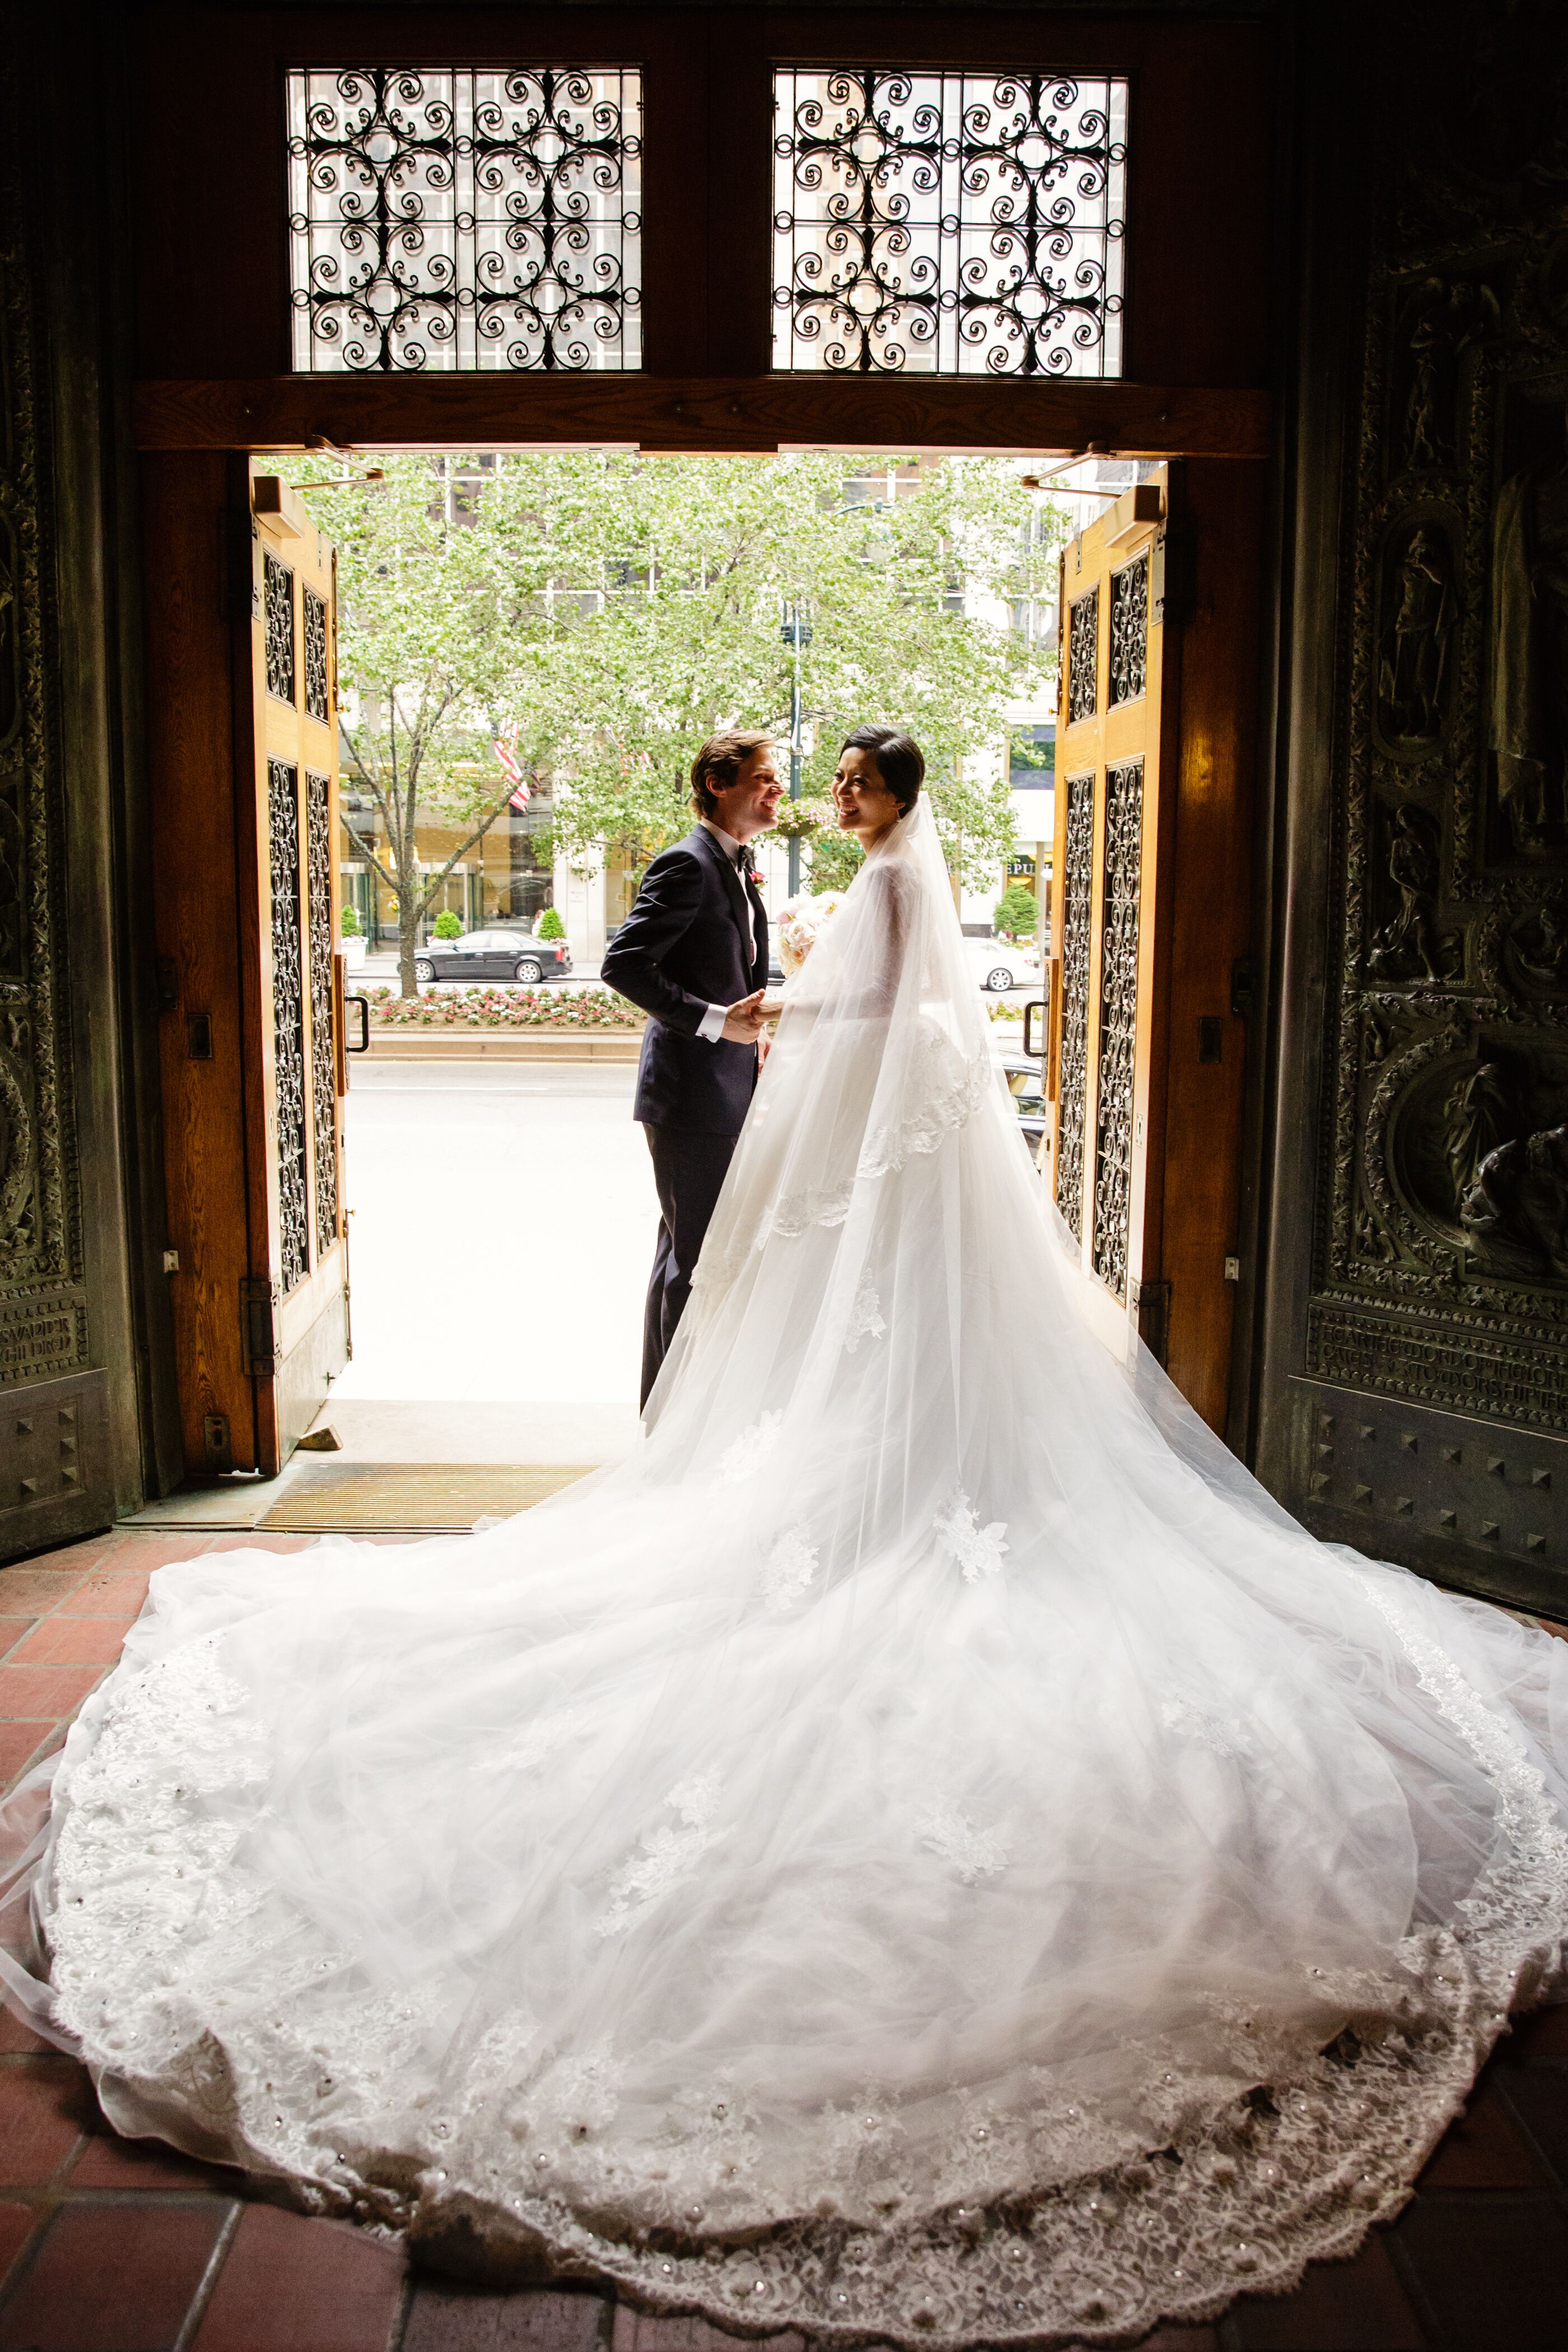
799	921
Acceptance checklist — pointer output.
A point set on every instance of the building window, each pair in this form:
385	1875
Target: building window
455	218
957	223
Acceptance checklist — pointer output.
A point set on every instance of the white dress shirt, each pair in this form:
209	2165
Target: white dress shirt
712	1025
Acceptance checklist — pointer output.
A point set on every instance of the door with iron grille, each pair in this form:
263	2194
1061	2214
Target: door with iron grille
296	1326
1151	972
1105	1078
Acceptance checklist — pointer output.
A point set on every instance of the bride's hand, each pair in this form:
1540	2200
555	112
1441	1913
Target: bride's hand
770	1007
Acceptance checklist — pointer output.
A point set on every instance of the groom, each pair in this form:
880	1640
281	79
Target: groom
693	952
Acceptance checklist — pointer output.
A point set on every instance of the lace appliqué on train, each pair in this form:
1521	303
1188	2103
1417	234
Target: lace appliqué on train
865	1316
750	1450
1224	1734
974	1854
789	1568
542	1737
978	1550
940	1094
668	1855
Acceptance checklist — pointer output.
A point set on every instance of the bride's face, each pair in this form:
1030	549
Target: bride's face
865	804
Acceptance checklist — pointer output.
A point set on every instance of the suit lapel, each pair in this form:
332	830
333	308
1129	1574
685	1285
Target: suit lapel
735	888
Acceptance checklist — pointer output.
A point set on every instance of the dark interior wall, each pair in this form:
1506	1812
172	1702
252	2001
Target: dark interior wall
1414	1238
83	1402
208	201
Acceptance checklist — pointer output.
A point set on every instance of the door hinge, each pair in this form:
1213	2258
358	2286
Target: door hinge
1173	575
1151	1305
258	1324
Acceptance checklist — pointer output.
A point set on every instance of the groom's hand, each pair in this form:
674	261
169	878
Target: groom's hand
743	1022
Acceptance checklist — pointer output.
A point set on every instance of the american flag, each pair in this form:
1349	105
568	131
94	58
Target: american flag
506	752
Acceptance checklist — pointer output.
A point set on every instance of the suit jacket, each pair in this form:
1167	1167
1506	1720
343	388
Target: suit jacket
697	935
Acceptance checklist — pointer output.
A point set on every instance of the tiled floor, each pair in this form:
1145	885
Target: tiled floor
112	2246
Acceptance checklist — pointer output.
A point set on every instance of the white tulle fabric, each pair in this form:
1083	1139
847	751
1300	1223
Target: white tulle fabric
925	1850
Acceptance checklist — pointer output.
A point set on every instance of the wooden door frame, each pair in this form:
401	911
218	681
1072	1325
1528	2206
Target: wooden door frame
1204	863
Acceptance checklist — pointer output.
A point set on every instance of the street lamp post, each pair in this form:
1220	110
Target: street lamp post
796	634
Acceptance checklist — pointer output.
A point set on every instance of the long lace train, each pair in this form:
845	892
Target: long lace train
926	1850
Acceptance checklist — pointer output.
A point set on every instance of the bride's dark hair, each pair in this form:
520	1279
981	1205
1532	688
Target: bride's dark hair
901	762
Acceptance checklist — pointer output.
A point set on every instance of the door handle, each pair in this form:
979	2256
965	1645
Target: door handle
1033	1050
363	1004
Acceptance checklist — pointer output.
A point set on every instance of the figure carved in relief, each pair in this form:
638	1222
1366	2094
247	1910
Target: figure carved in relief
1517	1209
1415	661
1402	949
1541	943
1445	320
1481	1117
1529	702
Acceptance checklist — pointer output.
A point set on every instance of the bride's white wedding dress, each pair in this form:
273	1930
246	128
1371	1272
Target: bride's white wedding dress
924	1849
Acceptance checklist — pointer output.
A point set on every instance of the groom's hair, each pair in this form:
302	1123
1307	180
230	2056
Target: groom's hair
719	761
901	762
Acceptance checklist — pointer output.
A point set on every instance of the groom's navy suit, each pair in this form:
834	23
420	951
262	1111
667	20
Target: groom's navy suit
697	938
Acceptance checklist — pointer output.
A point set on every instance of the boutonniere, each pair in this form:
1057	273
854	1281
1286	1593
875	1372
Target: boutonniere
754	877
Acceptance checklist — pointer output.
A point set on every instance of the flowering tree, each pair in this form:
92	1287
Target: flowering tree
609	612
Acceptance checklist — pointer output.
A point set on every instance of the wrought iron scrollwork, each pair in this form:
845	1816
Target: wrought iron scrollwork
970	224
278	604
457	218
317	672
1130	632
288	1020
323	1062
1118	1022
1073	1067
1083	657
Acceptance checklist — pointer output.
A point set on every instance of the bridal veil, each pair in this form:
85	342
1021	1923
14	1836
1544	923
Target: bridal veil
925	1850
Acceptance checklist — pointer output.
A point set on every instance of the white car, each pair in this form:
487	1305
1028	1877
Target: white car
997	965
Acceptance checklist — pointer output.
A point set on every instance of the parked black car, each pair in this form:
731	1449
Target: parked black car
501	952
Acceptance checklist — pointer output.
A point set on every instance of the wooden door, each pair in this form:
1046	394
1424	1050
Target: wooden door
1106	1130
1150	972
242	739
296	1301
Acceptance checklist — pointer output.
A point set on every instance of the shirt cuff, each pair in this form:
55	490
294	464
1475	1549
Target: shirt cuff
712	1025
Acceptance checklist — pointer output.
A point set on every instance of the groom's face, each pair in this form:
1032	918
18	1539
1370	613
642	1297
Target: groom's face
751	804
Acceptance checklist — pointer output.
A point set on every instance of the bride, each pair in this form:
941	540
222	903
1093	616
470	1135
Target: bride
925	1850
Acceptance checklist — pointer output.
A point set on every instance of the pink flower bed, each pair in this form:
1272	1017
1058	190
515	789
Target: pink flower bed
503	1008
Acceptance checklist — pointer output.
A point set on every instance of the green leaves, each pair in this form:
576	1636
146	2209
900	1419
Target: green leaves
612	611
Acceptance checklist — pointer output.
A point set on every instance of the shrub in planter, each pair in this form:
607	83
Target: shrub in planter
448	926
349	923
505	1008
551	926
1018	912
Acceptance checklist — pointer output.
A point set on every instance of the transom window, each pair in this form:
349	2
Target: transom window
449	218
950	222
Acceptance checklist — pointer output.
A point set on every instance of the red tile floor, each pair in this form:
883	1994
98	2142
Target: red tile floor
109	2245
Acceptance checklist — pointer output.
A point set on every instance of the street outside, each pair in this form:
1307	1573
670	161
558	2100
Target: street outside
501	1228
